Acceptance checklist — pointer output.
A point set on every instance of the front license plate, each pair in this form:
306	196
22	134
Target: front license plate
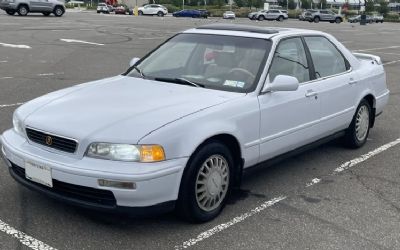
38	173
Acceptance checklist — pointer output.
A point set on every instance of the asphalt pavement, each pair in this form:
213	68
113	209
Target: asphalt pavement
319	199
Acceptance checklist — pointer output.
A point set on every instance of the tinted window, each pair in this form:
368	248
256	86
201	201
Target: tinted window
326	57
290	59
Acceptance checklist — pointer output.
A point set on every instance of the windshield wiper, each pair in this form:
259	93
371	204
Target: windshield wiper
182	81
140	71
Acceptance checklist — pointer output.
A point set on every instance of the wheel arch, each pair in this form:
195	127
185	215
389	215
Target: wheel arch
372	102
23	4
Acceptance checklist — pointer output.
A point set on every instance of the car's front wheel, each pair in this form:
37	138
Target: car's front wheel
160	14
261	18
357	133
206	183
140	13
338	20
316	19
280	19
58	11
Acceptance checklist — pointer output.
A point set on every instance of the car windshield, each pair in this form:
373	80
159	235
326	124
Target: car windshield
228	63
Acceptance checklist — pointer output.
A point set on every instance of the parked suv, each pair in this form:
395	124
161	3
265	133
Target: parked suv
323	15
153	9
23	7
103	8
278	15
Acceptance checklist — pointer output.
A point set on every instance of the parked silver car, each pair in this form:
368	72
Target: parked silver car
23	7
323	15
278	15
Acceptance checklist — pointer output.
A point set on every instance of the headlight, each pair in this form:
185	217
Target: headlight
126	152
18	124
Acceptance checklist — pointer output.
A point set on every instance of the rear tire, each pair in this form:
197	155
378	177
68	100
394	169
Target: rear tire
280	18
316	19
140	13
10	12
358	131
160	14
23	10
338	20
261	18
206	183
58	11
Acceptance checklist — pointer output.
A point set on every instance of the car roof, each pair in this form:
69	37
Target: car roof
249	30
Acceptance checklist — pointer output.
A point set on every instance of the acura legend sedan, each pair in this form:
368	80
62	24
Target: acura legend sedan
179	127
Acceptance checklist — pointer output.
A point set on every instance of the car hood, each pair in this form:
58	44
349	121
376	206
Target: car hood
121	109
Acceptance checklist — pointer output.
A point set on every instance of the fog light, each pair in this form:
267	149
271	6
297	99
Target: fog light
117	184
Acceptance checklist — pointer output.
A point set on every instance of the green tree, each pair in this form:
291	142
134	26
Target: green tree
305	4
291	5
369	6
383	8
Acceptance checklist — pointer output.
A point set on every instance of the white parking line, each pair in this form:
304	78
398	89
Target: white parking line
80	41
6	77
366	156
390	47
219	228
24	238
21	46
10	105
392	62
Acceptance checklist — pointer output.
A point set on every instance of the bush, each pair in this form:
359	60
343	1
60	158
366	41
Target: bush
294	13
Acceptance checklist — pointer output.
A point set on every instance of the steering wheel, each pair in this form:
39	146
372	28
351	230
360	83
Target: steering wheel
242	70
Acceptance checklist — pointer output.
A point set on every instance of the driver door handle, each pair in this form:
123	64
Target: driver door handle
311	93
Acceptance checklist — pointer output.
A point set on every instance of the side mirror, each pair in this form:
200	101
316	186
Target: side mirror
133	61
282	83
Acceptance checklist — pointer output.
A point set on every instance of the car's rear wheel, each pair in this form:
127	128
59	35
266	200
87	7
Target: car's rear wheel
10	12
357	133
160	13
46	13
338	20
280	18
58	11
316	19
261	18
206	183
140	13
23	10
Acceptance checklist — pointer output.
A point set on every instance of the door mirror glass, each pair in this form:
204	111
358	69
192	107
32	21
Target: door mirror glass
133	61
282	83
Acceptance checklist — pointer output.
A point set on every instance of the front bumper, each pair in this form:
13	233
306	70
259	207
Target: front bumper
154	190
8	6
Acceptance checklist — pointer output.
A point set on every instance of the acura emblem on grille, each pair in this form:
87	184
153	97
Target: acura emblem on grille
49	140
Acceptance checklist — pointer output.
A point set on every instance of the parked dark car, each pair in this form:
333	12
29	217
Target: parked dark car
191	13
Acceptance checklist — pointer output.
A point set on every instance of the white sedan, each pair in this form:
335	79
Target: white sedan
229	15
179	134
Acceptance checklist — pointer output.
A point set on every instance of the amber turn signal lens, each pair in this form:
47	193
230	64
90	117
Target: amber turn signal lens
151	153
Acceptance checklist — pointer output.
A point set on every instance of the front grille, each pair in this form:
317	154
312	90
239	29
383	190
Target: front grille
71	191
52	141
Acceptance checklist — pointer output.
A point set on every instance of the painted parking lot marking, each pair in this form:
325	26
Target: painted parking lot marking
6	77
221	227
366	156
10	105
25	239
380	48
392	62
80	41
17	46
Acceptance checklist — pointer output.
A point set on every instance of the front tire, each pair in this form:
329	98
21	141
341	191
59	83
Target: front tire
140	13
316	19
358	131
338	20
22	10
261	18
58	11
206	183
160	14
280	19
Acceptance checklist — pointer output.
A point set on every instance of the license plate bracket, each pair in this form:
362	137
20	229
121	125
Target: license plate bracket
38	173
